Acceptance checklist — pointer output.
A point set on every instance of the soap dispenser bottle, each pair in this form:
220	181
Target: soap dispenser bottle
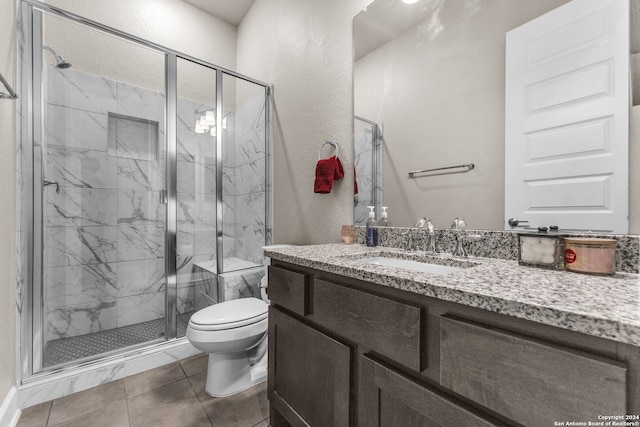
370	231
384	220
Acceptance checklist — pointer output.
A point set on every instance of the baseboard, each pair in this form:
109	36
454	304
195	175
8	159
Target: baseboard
9	412
67	381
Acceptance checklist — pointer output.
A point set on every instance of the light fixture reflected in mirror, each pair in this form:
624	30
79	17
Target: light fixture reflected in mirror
210	118
206	123
409	1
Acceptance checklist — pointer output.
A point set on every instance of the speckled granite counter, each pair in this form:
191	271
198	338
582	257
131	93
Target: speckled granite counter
607	307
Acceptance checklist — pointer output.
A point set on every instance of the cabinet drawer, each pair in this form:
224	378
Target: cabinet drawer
288	289
388	398
392	328
526	380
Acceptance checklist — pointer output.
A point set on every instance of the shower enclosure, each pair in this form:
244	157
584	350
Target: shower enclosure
367	136
144	192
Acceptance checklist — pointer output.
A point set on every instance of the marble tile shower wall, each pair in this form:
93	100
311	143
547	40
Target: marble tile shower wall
244	183
196	198
363	152
104	231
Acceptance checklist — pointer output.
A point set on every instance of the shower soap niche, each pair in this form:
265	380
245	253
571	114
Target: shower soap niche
133	138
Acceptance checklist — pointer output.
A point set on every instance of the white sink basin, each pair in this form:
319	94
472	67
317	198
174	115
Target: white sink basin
406	264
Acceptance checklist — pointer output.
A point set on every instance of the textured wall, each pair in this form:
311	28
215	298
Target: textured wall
305	50
170	23
7	195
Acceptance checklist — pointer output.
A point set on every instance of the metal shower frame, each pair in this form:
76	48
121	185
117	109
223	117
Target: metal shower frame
30	134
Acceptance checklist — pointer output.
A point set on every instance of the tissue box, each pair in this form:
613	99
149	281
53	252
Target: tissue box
541	250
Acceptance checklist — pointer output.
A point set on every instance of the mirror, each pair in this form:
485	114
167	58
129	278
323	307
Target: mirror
431	75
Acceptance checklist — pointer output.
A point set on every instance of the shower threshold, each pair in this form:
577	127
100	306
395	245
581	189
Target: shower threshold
64	350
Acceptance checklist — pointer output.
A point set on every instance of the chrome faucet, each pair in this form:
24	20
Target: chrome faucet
431	238
458	223
410	246
422	222
460	250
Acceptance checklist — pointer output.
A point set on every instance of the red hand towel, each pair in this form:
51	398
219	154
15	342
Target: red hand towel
325	173
339	171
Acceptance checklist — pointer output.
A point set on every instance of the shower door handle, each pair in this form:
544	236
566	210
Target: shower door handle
163	197
48	182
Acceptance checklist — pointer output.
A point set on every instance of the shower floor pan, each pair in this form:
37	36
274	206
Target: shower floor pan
63	350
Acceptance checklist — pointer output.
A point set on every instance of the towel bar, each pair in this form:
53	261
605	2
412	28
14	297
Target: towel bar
330	142
469	166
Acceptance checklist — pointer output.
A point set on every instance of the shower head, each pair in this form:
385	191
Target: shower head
60	62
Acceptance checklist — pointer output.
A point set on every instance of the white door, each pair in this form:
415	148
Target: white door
567	114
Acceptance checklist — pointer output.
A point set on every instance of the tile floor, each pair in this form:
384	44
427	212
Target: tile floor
171	395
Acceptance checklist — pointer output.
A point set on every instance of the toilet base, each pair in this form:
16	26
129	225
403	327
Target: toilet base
228	374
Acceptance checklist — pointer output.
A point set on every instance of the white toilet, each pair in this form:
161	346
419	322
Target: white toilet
234	333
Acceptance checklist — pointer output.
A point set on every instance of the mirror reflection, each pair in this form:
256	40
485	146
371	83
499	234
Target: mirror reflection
431	76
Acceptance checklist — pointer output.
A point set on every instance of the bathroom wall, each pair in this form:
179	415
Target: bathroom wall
7	207
305	50
171	23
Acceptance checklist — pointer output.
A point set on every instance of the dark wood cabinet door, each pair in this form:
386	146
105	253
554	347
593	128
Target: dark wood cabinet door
388	398
309	374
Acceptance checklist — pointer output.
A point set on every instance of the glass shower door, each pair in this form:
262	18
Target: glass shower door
368	168
196	190
244	154
99	174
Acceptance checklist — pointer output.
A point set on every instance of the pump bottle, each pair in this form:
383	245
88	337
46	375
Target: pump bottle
384	221
371	237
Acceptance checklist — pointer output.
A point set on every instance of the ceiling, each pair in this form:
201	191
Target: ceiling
231	11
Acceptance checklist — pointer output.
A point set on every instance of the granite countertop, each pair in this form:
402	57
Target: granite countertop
607	307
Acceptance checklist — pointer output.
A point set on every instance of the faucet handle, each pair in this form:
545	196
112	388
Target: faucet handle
430	227
458	223
460	250
422	222
410	246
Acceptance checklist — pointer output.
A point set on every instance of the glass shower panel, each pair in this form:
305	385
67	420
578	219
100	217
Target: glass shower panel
196	190
244	186
100	176
368	169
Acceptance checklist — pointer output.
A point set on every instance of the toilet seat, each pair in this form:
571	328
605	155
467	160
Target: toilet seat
229	315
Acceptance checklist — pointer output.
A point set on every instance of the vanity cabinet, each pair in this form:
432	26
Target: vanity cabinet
516	376
346	352
390	398
311	373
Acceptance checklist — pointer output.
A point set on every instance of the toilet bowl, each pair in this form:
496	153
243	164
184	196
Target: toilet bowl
234	334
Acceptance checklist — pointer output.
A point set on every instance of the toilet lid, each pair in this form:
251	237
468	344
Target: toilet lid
231	314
